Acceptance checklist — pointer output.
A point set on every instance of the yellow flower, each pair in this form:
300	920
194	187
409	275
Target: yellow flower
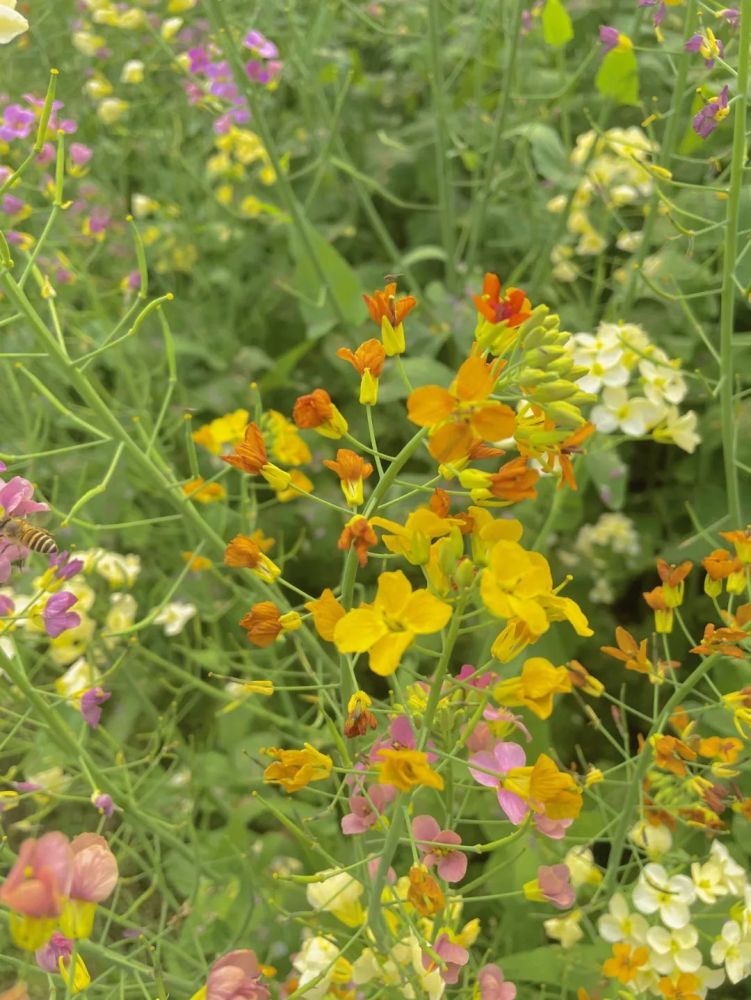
338	893
298	484
226	430
388	626
412	539
535	687
201	491
405	769
294	769
197	563
286	444
327	613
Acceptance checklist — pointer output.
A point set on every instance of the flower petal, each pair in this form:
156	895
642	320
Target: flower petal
386	654
430	405
358	630
425	613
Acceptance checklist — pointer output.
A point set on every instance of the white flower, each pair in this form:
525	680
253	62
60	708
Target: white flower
678	429
317	956
132	71
88	43
619	924
602	354
661	382
674	949
12	24
565	929
732	950
111	110
581	867
79	677
339	894
122	613
629	241
118	570
175	616
733	874
709	979
653	840
633	416
655	892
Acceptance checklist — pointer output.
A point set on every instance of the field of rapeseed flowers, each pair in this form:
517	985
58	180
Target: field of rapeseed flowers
375	578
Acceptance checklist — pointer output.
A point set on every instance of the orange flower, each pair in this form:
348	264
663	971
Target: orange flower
741	542
513	482
198	489
326	611
512	308
404	769
358	534
368	361
581	678
390	313
250	454
315	411
626	962
719	565
724	748
670	754
564	451
197	563
722	640
294	769
352	470
663	612
264	623
673	578
246	552
424	893
633	654
359	718
463	415
687	986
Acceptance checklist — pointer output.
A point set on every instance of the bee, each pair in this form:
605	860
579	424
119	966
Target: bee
18	531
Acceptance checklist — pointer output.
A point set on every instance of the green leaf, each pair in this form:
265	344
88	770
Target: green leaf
549	155
427	251
341	280
618	77
610	476
556	24
556	966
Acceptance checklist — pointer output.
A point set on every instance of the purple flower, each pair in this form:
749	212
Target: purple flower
555	885
25	786
198	60
366	809
64	566
503	758
12	205
17	123
492	984
609	38
98	220
731	14
435	846
706	120
48	957
57	619
709	47
260	45
659	14
453	955
91	701
104	804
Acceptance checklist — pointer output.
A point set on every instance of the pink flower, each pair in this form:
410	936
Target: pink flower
41	877
609	38
470	676
104	804
555	885
452	954
95	871
493	986
235	977
48	957
367	808
7	607
15	498
79	154
434	846
503	758
57	619
373	866
555	829
90	705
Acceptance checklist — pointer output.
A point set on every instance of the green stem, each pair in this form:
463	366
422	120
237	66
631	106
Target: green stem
727	295
442	162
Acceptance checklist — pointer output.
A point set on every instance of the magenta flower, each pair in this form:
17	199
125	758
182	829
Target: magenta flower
260	45
95	871
91	701
731	14
12	205
504	757
453	955
470	675
435	846
104	804
235	977
366	809
492	984
57	619
609	37
41	877
48	957
17	123
706	121
555	885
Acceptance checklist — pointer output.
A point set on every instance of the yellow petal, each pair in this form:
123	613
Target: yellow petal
424	613
386	654
394	590
358	630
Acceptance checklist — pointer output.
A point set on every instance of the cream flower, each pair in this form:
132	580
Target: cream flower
317	957
175	616
602	354
674	949
678	429
339	894
634	416
565	929
653	840
732	950
12	24
619	924
661	382
670	896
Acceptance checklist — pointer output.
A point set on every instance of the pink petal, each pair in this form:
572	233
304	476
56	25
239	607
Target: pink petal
513	805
